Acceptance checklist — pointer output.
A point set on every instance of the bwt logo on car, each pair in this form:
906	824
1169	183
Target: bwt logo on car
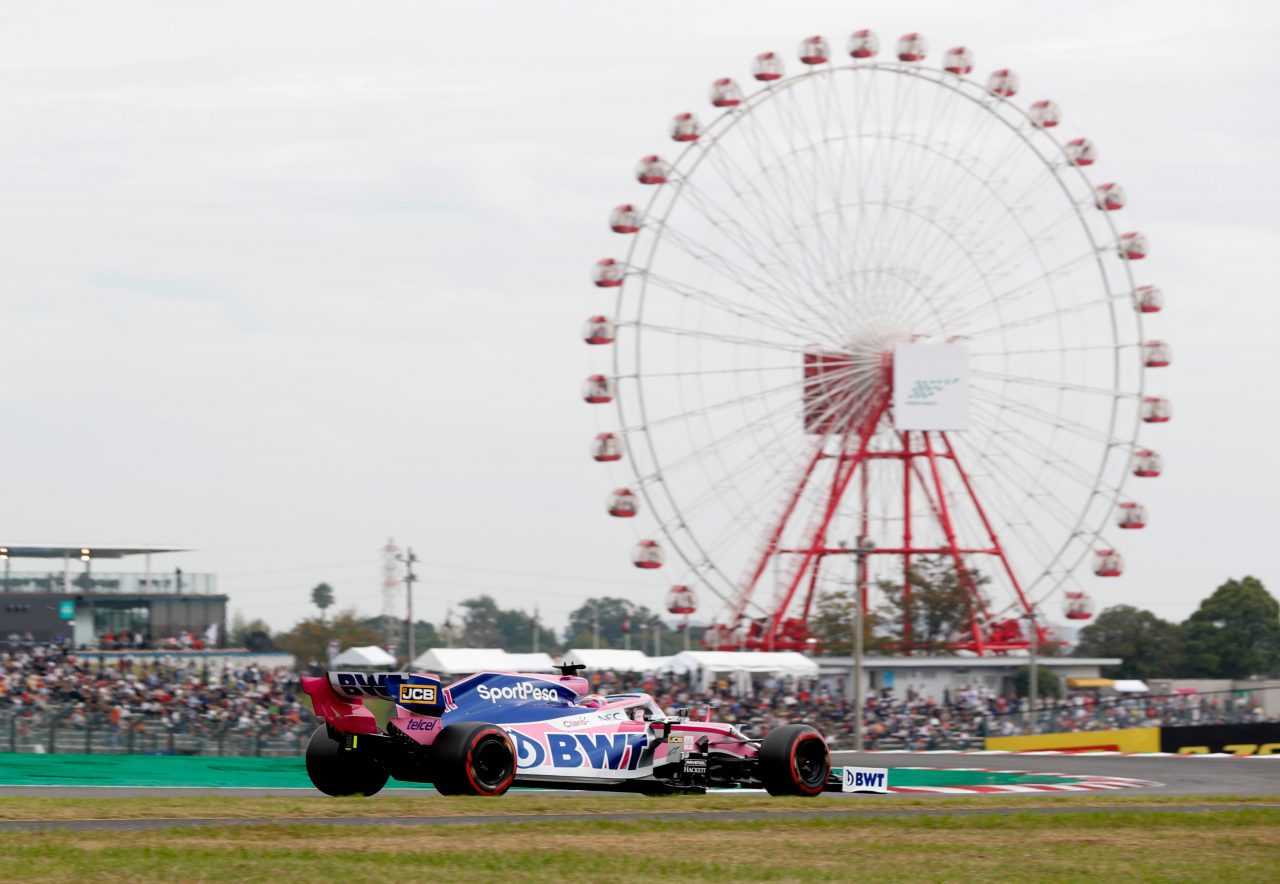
523	690
357	684
600	751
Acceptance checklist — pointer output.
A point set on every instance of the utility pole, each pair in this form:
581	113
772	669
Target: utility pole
409	579
1033	681
857	603
536	630
595	625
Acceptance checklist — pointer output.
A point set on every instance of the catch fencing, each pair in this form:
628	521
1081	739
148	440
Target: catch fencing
66	730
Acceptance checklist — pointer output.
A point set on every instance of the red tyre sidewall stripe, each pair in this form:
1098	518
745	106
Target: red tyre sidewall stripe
505	784
795	771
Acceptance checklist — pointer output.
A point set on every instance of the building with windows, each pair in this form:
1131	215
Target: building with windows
62	593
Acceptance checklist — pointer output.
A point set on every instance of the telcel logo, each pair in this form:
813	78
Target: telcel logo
418	693
520	691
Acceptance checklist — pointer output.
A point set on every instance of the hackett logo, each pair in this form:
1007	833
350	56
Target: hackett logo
925	392
418	693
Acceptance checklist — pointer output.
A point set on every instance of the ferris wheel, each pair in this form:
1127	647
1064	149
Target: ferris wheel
871	311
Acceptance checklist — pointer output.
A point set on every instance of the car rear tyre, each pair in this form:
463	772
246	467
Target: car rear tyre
339	772
473	758
794	760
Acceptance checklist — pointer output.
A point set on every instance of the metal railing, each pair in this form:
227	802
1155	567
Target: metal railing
65	730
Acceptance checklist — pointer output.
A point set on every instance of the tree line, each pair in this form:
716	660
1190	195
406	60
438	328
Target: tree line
1234	633
478	622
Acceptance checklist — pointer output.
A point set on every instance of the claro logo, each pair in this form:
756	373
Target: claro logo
520	691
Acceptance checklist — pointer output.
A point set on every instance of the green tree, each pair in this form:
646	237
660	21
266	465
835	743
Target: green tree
1235	633
322	597
832	622
1150	647
252	634
425	634
309	638
1048	684
941	605
485	625
611	613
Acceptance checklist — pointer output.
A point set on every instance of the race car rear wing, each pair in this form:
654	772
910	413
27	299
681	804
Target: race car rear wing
339	697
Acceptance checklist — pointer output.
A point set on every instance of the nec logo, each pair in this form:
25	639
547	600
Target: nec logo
418	693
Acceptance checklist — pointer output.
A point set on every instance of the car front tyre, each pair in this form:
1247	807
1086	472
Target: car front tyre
794	760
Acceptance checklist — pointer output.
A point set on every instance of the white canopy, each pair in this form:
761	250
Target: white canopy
530	663
1130	686
461	661
776	662
596	659
370	655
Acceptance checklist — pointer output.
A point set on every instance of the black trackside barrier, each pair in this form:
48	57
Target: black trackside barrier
1262	738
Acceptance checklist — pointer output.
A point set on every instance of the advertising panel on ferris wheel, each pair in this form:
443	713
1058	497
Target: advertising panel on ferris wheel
931	387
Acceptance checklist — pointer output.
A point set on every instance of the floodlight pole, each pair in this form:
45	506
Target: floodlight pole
409	578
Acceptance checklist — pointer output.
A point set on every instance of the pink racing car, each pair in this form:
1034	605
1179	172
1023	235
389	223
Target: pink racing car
484	733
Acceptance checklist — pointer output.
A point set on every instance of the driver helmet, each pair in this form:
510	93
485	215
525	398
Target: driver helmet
592	701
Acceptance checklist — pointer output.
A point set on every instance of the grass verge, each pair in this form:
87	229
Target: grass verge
1234	845
533	804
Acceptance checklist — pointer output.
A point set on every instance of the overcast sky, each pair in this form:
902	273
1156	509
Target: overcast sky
281	281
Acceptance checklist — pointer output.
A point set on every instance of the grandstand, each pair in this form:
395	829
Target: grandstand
68	601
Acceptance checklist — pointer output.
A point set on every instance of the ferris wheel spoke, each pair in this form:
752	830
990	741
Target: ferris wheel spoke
736	340
786	193
717	259
1049	458
726	305
1108	392
744	238
1029	321
1056	421
997	460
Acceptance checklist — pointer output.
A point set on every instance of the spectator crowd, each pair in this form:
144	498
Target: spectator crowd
957	719
188	704
116	696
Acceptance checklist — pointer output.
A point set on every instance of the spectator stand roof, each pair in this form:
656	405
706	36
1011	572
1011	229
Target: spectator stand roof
18	551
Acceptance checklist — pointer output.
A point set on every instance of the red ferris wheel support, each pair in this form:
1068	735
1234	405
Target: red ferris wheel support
926	457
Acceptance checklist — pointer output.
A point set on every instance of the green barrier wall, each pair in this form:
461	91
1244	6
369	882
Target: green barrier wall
206	772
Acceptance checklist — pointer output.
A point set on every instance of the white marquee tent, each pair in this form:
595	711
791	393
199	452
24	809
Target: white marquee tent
461	661
530	663
464	661
741	665
600	659
368	657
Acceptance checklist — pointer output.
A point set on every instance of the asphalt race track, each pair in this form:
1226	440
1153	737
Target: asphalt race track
1184	775
1181	775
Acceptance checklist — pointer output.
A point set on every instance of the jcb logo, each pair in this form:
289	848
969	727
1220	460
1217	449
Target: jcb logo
418	693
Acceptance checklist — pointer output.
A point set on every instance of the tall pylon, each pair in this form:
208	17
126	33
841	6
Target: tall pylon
391	581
